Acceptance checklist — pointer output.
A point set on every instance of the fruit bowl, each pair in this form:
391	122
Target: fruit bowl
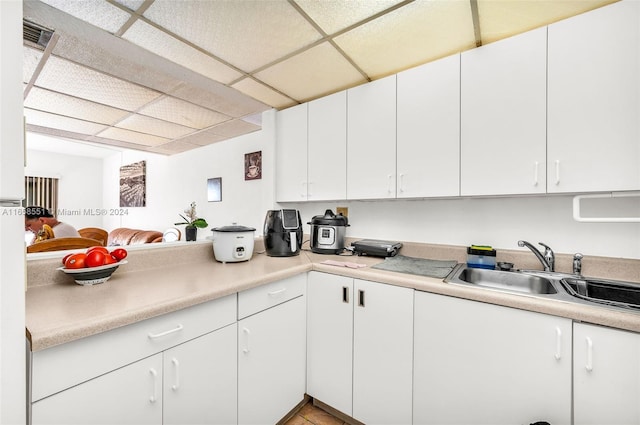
92	275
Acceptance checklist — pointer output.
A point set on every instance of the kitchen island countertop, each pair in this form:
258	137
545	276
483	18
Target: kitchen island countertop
63	311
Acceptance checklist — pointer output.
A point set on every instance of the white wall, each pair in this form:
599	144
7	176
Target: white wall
499	222
80	184
173	182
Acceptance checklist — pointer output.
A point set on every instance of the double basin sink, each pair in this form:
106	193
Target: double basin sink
554	285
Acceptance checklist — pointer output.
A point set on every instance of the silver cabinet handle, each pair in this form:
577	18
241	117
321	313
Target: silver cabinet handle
165	333
535	173
557	172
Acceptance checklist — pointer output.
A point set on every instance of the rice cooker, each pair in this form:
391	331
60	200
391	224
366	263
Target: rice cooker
327	233
233	243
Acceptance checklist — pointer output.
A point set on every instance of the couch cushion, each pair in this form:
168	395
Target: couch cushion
146	236
125	236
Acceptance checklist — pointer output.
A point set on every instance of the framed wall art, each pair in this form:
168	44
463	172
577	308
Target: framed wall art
253	165
214	189
133	185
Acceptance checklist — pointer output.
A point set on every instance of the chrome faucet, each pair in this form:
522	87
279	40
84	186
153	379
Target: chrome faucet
547	259
577	264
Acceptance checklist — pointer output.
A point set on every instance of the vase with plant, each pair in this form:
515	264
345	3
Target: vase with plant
193	222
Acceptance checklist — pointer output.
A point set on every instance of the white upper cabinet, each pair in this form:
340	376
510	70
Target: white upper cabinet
594	106
327	148
428	145
371	140
503	116
291	154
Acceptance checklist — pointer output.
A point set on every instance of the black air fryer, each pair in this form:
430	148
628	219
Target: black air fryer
282	233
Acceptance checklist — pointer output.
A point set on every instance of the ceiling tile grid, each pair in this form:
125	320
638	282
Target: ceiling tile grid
168	76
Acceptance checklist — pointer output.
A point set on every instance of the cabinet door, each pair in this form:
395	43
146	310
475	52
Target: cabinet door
371	140
382	353
477	363
200	380
330	340
291	154
428	145
327	157
503	116
271	363
594	101
129	395
606	373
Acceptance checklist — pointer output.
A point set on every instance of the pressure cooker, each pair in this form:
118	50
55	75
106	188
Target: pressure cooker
327	233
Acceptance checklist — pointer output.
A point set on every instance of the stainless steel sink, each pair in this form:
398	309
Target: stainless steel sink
501	280
610	292
553	285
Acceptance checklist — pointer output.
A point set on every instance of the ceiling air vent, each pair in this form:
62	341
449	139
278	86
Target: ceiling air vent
35	33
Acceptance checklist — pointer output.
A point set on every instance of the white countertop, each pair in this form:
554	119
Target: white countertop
62	311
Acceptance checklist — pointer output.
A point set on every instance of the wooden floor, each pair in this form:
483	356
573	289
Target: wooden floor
312	415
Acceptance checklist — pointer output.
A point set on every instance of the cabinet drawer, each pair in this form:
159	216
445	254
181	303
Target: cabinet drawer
265	296
63	366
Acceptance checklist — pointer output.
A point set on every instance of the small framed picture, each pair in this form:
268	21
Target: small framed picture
214	189
253	165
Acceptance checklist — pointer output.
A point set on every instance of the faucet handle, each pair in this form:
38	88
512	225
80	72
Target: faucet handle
549	256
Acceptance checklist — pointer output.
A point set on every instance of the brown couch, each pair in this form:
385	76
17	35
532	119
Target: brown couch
125	236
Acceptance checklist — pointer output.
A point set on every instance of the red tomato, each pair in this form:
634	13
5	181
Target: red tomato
64	259
98	248
119	253
95	258
75	261
109	259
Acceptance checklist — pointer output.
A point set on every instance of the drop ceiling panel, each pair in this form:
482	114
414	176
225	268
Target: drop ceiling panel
31	59
132	137
143	124
131	4
97	12
61	104
247	34
263	93
323	65
201	138
184	113
333	16
162	44
501	19
45	119
229	102
234	128
66	77
414	34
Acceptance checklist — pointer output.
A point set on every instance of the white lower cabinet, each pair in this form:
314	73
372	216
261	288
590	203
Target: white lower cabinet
477	363
606	376
359	347
200	380
193	383
178	368
271	353
129	395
